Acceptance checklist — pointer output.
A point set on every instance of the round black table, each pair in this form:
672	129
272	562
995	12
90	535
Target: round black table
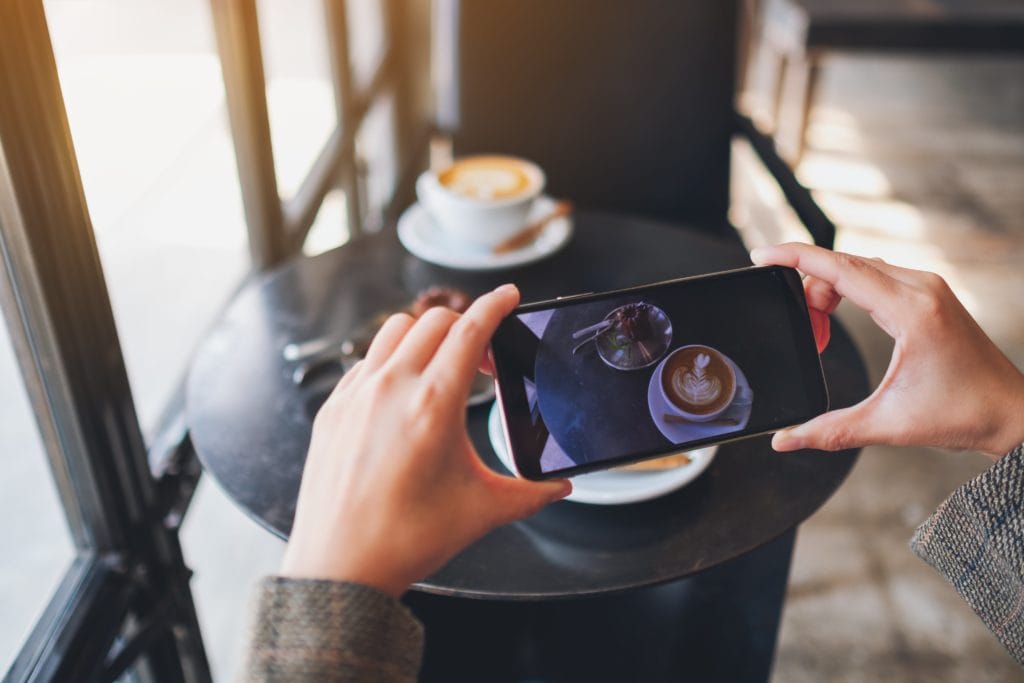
250	424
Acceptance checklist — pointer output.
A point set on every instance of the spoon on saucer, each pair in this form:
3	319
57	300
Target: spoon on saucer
532	231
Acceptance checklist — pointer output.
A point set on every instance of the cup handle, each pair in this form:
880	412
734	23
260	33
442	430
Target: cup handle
423	191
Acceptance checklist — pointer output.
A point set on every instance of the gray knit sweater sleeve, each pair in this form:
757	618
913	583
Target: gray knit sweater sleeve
307	630
976	540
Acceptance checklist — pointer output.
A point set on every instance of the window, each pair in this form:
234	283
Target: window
33	532
145	101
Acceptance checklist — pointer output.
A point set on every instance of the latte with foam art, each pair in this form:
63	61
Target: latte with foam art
489	177
694	385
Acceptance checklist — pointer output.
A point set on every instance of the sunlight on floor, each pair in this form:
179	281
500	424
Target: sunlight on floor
846	175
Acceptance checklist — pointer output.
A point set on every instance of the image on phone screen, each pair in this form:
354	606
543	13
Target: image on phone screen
656	369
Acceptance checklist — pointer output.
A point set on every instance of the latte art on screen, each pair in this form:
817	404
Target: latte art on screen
698	381
694	385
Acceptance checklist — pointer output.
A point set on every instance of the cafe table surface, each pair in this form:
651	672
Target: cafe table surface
250	425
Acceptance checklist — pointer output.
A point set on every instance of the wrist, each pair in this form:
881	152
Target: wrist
1007	431
300	564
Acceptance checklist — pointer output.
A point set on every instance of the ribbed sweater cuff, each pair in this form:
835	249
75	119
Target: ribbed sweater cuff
331	631
975	539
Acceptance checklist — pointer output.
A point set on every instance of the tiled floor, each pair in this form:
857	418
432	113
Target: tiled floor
920	161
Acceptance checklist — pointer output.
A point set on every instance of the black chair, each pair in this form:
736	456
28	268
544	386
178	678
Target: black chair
628	106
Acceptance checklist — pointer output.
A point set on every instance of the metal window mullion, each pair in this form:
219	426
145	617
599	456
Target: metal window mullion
396	75
31	344
346	101
327	170
238	44
337	163
72	637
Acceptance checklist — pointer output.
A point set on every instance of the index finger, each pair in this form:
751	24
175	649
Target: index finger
853	277
458	358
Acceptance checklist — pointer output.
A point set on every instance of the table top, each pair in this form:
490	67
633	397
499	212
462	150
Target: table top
591	408
250	424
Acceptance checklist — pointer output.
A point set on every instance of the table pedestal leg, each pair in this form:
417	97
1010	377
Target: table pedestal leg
718	625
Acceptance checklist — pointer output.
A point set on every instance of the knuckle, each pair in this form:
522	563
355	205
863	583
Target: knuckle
383	382
929	304
469	327
936	284
426	396
438	315
426	413
849	261
400	318
835	440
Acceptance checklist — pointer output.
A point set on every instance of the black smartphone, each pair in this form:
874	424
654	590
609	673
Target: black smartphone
593	381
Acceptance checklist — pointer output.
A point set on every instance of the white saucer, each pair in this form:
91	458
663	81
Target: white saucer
614	487
681	432
420	234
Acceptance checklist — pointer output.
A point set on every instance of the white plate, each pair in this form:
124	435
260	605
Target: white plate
679	432
614	487
420	234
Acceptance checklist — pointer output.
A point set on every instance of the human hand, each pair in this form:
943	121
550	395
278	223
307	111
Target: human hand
947	384
392	486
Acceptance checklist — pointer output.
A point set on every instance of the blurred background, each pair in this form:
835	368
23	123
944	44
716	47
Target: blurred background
916	154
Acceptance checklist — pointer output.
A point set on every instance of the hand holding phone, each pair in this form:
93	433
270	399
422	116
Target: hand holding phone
601	380
392	486
942	359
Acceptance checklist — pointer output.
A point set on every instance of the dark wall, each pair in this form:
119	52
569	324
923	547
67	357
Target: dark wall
627	105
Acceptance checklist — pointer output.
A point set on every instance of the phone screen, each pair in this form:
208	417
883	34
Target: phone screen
601	380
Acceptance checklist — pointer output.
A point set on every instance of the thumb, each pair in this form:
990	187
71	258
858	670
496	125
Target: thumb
520	498
833	431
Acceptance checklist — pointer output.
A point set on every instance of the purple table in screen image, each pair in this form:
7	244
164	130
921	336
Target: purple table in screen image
591	410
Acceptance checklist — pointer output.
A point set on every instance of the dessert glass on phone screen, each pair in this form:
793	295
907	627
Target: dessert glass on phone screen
602	380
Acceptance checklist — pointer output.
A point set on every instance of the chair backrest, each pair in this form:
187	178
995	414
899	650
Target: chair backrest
627	105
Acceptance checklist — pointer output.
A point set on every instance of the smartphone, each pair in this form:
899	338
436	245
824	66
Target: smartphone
594	381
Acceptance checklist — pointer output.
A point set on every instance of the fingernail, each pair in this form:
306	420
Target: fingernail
787	440
506	289
758	254
564	492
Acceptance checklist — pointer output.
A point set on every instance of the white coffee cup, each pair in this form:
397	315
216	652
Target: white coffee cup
481	201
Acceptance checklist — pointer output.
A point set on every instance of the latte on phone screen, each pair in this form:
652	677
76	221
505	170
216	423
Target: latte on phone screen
698	380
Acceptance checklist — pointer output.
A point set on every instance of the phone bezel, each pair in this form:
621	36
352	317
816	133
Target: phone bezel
810	362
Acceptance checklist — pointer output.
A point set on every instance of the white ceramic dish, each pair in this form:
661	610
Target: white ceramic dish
614	487
420	234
